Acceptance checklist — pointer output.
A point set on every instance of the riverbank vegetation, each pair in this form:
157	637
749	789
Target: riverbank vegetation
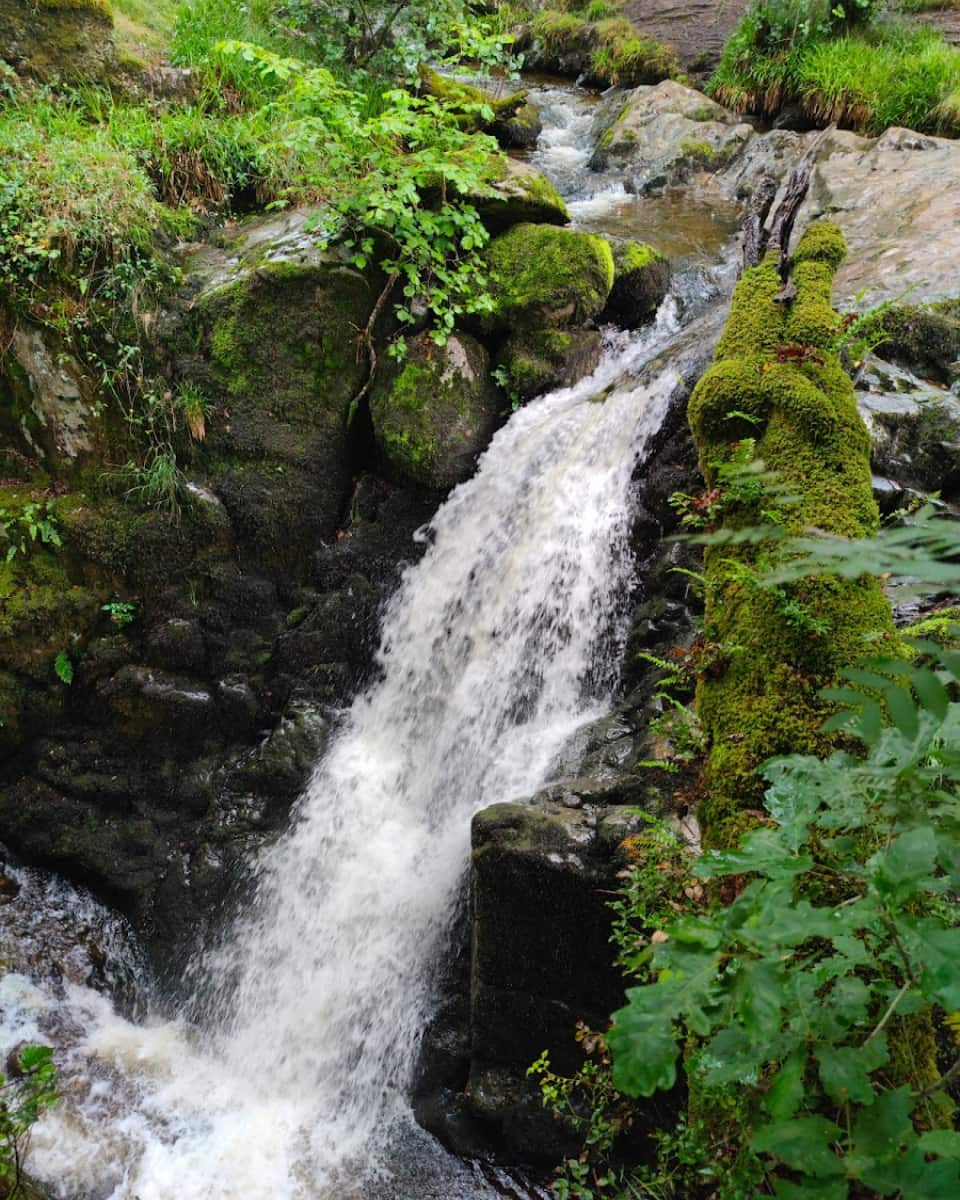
97	182
794	987
859	66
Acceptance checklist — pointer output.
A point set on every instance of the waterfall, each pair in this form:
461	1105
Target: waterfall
498	645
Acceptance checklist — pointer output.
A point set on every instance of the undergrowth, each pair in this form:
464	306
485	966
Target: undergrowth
96	187
796	979
866	77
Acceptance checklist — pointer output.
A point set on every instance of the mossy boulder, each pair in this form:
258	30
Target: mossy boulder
925	338
522	194
641	281
266	330
434	413
771	650
537	359
513	120
54	40
625	56
548	276
559	42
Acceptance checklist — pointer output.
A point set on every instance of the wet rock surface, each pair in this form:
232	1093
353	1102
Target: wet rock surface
536	956
659	136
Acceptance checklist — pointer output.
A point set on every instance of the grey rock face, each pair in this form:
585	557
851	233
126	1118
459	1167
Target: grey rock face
662	135
57	419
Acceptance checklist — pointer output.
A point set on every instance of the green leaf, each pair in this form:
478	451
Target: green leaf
903	710
823	1189
938	950
761	851
943	1142
793	807
803	1143
758	994
845	1070
786	1089
911	1177
643	1044
882	1131
931	692
63	667
900	869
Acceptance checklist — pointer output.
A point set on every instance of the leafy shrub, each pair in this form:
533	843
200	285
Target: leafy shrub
801	974
22	1101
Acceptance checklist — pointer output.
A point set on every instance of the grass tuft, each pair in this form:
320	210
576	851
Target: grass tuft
867	80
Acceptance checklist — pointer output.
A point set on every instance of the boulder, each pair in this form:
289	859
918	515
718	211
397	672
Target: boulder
68	40
640	284
265	329
540	879
548	276
915	430
535	359
897	199
522	194
659	136
434	413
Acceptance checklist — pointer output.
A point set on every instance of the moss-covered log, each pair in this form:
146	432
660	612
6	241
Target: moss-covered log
777	394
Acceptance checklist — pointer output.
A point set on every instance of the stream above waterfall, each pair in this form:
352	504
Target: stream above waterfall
287	1073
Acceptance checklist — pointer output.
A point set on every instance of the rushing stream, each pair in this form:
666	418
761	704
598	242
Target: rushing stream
290	1078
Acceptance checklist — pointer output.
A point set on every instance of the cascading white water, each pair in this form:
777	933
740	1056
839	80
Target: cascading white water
497	646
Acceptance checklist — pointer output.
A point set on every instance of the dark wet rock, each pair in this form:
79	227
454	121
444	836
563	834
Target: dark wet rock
915	429
177	645
640	284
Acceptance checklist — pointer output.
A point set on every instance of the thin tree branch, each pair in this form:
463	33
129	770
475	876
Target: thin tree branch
366	337
889	1013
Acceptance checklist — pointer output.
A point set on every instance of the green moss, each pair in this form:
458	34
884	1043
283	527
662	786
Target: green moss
636	256
941	626
642	278
432	414
539	270
455	93
537	358
925	338
823	242
779	647
559	31
524	195
626	57
98	6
